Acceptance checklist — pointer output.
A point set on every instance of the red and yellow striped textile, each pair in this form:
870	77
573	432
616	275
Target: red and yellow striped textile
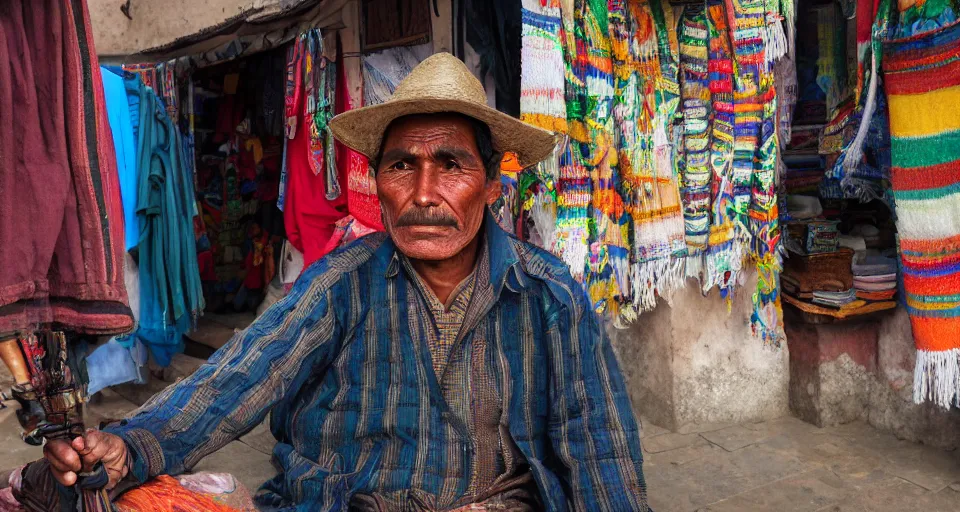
922	81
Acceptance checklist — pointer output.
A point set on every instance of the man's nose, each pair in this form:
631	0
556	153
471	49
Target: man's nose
426	190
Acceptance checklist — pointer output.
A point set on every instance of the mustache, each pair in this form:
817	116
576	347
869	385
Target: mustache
426	217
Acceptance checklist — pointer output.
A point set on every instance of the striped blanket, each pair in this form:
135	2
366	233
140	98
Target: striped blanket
922	82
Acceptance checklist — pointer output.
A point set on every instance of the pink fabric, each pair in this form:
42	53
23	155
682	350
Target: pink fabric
308	216
61	220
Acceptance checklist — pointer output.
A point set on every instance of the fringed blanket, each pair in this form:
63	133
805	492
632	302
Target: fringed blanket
755	152
922	82
644	107
609	259
541	57
724	254
695	174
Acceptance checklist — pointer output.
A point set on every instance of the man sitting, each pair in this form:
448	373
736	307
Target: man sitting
440	365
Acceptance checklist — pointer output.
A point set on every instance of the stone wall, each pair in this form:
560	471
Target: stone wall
864	371
891	406
693	362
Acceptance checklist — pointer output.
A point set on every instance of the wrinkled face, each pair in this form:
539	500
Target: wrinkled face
432	185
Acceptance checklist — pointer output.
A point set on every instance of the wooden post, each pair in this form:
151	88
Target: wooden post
350	45
442	26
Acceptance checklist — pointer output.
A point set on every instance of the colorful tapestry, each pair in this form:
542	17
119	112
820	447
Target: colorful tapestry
695	173
922	83
542	103
574	188
755	154
724	254
643	110
609	262
541	56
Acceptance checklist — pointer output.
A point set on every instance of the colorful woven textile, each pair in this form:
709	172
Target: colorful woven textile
755	153
724	254
643	110
695	172
922	82
574	188
541	56
542	103
609	261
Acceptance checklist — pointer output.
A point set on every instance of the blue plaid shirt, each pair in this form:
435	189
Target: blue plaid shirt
357	407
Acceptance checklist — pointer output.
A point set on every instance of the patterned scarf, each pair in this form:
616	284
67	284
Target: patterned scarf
573	186
609	262
541	56
922	83
695	174
755	154
642	111
724	255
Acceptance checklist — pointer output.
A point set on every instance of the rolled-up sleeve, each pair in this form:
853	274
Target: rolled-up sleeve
233	392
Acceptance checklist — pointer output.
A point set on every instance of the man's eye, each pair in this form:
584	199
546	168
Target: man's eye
452	164
400	166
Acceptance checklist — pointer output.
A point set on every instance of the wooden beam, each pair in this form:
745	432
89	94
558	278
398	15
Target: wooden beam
442	26
350	47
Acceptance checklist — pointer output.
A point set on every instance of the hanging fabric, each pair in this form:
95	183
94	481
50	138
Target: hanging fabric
62	234
313	170
643	111
171	296
755	213
922	83
724	254
695	173
543	104
541	57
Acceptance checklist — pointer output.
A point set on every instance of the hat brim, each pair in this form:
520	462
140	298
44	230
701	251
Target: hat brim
362	129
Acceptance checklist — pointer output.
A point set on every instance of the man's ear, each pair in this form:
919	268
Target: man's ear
493	190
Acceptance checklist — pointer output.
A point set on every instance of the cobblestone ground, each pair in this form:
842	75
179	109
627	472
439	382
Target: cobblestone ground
782	465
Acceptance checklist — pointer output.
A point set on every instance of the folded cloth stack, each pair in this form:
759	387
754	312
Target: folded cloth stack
874	276
834	299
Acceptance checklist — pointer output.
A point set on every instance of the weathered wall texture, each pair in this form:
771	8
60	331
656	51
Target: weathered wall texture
891	397
864	371
156	23
692	362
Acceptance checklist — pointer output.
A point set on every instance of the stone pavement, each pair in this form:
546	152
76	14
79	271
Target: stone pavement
782	465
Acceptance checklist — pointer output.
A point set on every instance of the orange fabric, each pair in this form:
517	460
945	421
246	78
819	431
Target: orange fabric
935	334
165	494
918	285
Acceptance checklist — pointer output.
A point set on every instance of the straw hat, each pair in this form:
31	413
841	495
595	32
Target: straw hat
441	83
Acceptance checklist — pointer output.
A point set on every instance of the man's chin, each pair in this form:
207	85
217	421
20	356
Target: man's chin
435	248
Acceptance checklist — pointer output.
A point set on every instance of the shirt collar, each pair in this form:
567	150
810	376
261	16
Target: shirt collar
506	267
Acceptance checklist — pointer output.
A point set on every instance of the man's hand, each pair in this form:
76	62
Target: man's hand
69	458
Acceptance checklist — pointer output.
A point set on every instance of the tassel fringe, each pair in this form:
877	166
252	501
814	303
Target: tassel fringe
936	377
661	277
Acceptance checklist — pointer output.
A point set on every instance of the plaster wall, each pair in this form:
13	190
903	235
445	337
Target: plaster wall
891	397
156	23
693	362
